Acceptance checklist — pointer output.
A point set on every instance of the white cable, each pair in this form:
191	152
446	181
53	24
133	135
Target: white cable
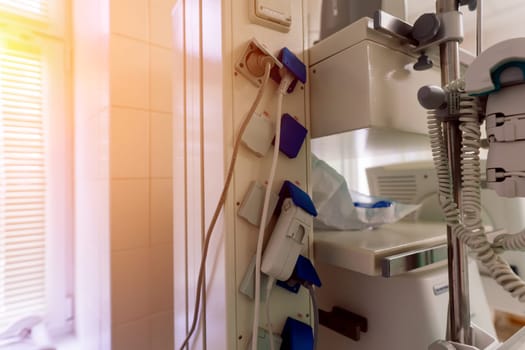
315	308
260	238
510	173
467	226
200	283
269	287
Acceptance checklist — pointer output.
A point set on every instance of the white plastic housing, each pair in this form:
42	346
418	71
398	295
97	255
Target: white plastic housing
259	134
478	78
274	14
361	79
506	133
252	204
505	114
287	241
385	303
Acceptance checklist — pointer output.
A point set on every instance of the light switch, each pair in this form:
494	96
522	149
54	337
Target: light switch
275	14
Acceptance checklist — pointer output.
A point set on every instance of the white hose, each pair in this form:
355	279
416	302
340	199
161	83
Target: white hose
269	287
262	226
467	225
315	308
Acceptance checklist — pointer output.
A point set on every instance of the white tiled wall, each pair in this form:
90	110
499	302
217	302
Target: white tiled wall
141	174
129	143
129	72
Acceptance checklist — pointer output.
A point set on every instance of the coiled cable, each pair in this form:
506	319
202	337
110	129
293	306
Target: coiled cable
466	225
510	241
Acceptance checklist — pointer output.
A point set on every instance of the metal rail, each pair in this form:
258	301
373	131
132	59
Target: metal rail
479	27
398	264
458	329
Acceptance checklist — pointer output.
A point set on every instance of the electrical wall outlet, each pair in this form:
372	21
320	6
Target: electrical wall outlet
286	242
263	343
248	67
247	286
293	135
252	204
259	134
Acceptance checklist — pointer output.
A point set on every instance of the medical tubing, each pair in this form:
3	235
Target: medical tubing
262	225
315	308
269	287
467	225
222	199
472	232
510	241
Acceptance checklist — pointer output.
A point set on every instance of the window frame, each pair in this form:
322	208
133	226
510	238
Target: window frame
54	42
56	26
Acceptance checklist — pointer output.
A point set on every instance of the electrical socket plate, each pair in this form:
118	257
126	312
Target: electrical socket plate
259	134
241	67
274	14
247	286
252	204
286	242
263	343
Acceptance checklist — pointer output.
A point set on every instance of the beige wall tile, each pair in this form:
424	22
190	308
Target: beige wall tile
132	336
161	223
161	278
102	142
129	143
129	75
161	152
130	285
129	214
140	150
130	18
162	331
160	22
161	79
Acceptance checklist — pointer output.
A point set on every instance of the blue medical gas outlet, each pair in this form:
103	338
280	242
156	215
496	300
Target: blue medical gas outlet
304	273
298	196
293	64
293	135
297	335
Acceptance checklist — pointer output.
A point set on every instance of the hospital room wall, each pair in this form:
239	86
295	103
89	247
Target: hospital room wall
210	102
124	229
140	170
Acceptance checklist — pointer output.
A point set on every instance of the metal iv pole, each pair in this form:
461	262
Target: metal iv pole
458	328
425	30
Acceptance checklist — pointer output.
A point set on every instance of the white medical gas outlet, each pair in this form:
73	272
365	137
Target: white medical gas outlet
287	241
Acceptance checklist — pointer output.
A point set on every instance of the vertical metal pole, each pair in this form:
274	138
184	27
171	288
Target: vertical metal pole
459	307
479	27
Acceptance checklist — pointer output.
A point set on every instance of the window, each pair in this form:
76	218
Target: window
22	186
35	166
37	9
